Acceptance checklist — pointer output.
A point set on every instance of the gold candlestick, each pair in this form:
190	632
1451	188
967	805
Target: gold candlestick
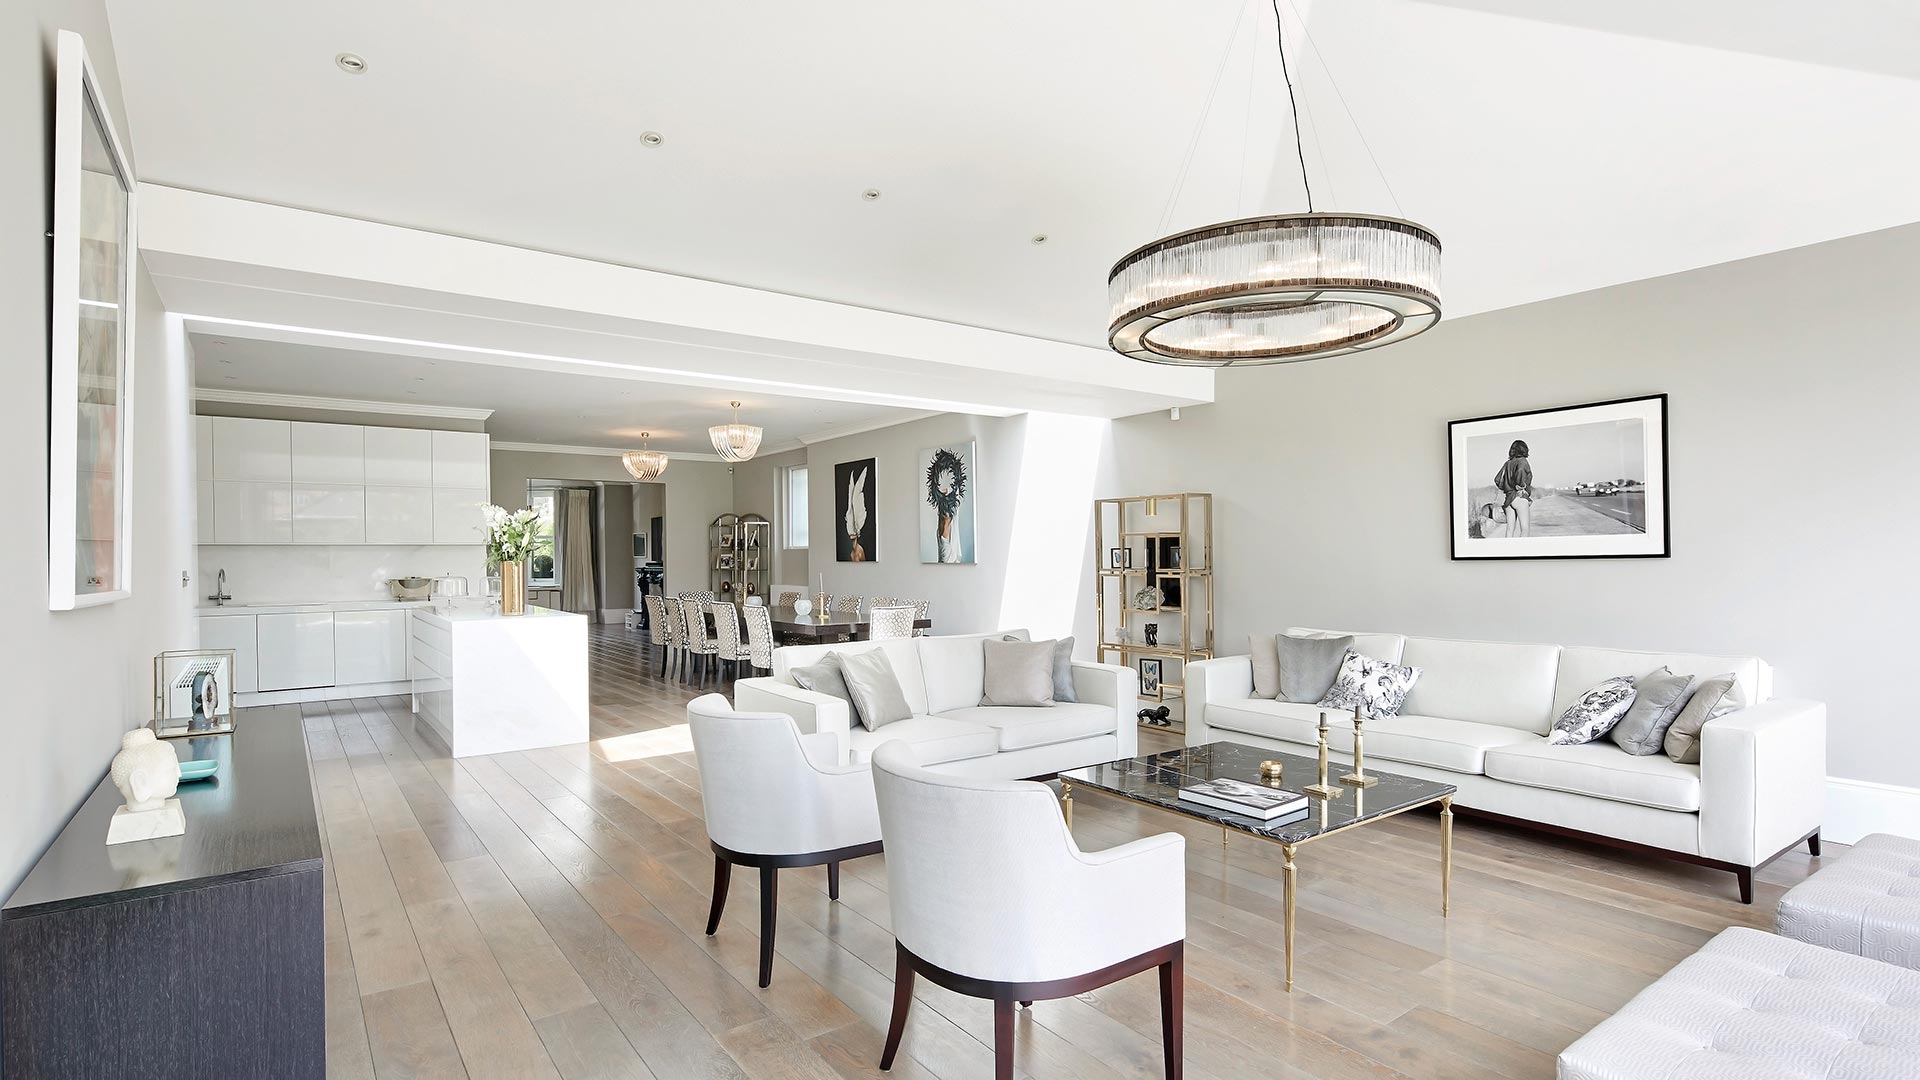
1323	789
1358	777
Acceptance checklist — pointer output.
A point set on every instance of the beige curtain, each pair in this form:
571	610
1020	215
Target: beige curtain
573	534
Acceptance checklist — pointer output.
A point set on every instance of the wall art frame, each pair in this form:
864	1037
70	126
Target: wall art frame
91	345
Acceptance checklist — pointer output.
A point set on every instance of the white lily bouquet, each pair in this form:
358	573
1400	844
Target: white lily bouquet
514	537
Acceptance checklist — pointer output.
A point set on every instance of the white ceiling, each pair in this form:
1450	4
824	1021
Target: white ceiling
1555	146
551	407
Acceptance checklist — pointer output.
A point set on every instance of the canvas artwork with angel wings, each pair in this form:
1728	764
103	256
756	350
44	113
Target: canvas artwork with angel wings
854	490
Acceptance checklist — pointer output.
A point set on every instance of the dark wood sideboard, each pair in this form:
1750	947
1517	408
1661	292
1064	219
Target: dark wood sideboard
190	956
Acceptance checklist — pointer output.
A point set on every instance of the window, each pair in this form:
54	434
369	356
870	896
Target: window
793	507
544	568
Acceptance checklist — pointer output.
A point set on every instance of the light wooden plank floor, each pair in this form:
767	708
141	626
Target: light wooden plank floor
541	915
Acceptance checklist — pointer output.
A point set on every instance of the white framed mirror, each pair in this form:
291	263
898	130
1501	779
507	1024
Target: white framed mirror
90	384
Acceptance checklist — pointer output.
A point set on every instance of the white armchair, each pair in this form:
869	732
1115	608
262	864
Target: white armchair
774	798
992	898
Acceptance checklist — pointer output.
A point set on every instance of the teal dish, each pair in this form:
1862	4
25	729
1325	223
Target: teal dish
197	770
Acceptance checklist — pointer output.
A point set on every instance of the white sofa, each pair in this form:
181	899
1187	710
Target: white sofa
950	730
1478	716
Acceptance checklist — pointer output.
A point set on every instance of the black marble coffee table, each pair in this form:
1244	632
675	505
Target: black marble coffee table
1156	780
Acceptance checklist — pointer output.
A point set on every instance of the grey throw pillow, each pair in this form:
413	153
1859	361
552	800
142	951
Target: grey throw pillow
1063	670
1018	673
1308	666
1266	665
1062	667
875	688
1594	714
1713	698
827	678
1657	699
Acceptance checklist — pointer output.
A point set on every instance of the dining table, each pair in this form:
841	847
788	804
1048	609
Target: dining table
791	626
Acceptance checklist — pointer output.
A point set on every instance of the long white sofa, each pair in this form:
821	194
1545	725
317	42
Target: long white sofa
950	730
1478	719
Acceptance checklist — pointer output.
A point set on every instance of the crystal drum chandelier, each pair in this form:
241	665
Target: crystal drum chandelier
1277	289
735	441
644	464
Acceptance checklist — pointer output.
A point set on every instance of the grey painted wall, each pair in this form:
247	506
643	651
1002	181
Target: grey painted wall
1792	457
756	490
91	670
696	492
1034	478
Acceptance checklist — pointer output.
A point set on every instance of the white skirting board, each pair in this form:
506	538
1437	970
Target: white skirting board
321	693
1856	808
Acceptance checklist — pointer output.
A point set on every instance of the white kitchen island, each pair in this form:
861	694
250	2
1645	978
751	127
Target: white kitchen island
487	683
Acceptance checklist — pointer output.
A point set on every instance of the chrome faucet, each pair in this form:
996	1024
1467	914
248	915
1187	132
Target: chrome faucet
220	595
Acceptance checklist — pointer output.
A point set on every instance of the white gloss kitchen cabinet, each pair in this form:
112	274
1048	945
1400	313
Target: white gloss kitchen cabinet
282	482
369	647
295	649
234	632
313	652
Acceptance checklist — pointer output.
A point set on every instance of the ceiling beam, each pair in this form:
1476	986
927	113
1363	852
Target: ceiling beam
253	269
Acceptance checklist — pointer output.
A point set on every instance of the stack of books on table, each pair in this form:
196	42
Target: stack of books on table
1240	797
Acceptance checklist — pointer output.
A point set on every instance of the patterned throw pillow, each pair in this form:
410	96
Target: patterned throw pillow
1375	686
1594	714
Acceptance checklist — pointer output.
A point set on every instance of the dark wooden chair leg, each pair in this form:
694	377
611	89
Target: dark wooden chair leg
1172	1009
663	662
722	875
902	1001
769	907
1813	844
833	881
1745	874
1002	1040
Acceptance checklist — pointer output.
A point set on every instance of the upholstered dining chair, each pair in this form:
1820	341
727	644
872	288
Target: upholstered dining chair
699	646
890	621
659	628
726	636
846	605
992	898
773	802
759	638
788	597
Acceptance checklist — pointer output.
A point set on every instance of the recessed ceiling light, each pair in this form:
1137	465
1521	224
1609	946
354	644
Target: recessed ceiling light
1039	238
351	63
651	138
870	194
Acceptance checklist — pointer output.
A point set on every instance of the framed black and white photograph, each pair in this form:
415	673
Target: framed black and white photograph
855	522
1575	482
91	369
1150	678
1113	559
946	506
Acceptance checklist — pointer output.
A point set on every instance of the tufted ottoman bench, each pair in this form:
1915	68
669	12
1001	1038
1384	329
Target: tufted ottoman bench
1753	1006
1867	903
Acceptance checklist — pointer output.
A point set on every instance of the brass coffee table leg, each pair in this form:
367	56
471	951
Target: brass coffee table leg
1286	877
1446	855
1066	801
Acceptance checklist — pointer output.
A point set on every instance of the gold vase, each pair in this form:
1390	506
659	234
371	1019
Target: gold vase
513	589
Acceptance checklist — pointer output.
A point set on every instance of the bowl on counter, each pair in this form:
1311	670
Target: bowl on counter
410	588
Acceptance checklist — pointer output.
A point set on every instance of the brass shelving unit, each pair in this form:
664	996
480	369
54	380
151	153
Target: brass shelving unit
739	556
1163	542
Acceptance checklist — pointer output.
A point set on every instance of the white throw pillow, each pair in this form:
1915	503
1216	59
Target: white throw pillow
1375	687
1595	713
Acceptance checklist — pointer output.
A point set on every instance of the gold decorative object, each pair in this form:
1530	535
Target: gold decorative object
1358	777
1271	770
513	589
1323	789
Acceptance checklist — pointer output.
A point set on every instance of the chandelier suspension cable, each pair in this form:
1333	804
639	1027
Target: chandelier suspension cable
1293	104
1327	70
1200	124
